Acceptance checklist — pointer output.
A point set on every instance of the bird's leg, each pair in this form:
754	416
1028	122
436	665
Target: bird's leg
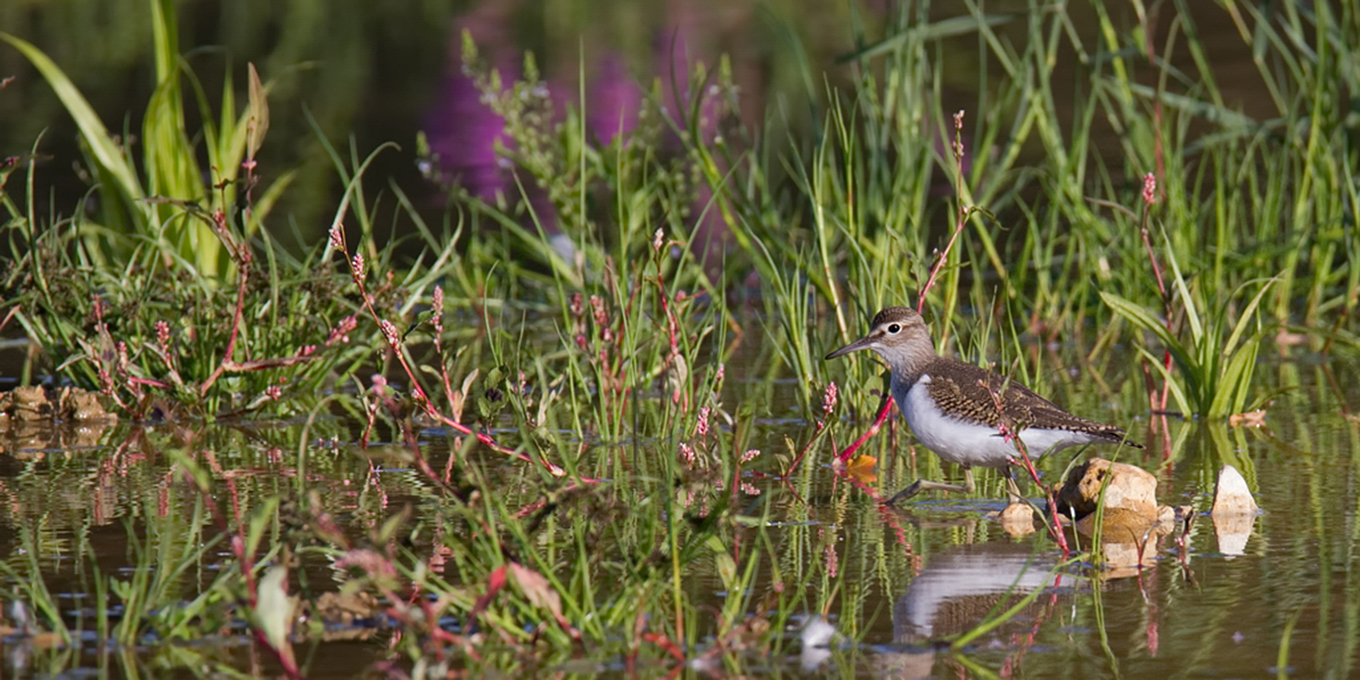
926	485
1012	488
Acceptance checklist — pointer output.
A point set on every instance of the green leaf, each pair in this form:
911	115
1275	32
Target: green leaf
1247	315
106	151
1191	312
1235	384
1183	403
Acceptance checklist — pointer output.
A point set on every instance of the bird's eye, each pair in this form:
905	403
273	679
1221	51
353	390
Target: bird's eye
893	328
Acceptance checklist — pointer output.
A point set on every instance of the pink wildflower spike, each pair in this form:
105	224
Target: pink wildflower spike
687	452
658	240
749	489
701	427
1149	189
597	308
750	455
829	399
379	387
437	302
357	268
389	331
163	336
341	331
958	127
274	392
338	236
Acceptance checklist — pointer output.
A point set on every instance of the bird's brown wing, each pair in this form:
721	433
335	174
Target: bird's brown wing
973	392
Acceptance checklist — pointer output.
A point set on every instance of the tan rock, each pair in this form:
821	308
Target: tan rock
1129	488
1123	559
1232	496
86	407
1234	511
31	403
1017	519
1119	524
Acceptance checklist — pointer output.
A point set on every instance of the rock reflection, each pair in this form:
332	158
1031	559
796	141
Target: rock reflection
1234	512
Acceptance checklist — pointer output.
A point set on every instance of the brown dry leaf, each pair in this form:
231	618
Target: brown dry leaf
258	123
1251	419
537	588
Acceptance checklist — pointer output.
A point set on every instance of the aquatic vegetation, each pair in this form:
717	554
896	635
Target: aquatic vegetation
582	419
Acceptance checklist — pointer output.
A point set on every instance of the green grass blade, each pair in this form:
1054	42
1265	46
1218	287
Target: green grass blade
102	145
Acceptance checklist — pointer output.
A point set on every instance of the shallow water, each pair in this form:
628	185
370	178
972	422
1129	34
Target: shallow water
899	585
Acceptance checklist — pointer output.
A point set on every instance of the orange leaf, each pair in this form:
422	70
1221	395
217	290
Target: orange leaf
862	462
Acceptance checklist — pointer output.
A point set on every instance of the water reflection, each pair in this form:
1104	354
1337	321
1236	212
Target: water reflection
964	587
957	589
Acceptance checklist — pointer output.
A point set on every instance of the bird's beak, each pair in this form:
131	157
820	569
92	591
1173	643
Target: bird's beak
862	343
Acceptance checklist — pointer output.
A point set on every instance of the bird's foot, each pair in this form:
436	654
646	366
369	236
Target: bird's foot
906	493
926	485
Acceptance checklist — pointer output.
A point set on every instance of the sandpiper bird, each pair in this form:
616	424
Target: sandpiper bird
951	406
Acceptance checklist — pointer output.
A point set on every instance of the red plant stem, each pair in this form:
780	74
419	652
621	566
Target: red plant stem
798	460
671	322
1052	498
242	257
1009	433
963	214
421	397
1150	198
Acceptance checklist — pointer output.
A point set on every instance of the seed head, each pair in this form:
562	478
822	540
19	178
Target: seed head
341	331
701	427
390	333
163	336
356	268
